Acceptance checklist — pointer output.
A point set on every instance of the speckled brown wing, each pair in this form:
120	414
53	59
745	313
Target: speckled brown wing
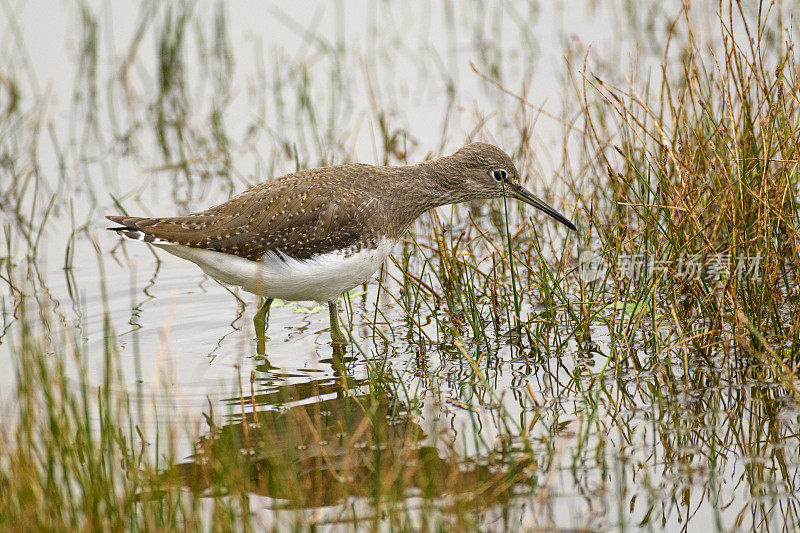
299	215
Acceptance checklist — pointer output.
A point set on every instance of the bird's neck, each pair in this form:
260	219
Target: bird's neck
419	188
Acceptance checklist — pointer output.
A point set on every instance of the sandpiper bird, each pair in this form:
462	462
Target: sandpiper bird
316	234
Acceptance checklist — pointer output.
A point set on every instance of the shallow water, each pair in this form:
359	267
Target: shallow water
305	85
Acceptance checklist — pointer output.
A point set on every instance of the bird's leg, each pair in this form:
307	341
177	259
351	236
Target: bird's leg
260	323
337	337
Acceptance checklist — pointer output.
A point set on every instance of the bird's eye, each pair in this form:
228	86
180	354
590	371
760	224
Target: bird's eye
499	174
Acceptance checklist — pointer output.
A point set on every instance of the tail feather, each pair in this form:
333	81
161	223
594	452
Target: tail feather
191	230
130	229
117	219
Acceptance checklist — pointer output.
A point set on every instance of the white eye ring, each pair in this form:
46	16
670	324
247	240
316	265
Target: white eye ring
499	174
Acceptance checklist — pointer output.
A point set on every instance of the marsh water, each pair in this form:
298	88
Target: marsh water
168	108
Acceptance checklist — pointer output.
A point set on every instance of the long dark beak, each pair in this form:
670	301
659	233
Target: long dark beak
526	196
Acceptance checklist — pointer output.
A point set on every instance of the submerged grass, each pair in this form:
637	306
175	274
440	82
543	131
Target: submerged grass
653	353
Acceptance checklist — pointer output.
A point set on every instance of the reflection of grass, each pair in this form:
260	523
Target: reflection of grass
648	396
78	458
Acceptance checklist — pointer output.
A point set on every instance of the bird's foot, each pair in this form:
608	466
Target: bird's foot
337	336
260	325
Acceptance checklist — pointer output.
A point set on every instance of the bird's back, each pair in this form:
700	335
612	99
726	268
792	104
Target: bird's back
299	215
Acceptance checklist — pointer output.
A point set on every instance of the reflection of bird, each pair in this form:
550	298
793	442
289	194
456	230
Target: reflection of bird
321	453
316	234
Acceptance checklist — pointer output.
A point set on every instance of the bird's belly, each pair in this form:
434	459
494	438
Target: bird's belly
322	278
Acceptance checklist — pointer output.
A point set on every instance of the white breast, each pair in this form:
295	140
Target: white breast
323	278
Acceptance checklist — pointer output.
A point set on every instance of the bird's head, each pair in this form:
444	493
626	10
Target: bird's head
487	172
